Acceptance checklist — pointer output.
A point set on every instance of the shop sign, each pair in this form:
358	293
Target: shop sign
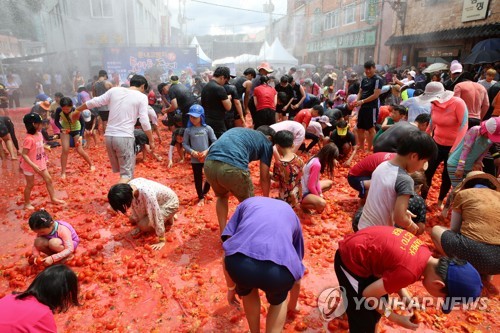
372	11
474	10
355	39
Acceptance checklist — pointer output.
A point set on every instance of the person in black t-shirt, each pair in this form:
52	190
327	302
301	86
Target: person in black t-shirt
371	87
299	95
180	98
345	141
215	101
243	85
235	117
283	109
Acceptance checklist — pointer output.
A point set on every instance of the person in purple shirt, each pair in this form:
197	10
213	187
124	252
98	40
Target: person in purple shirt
264	248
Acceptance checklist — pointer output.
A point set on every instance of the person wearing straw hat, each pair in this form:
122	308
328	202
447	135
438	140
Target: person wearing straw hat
475	227
448	127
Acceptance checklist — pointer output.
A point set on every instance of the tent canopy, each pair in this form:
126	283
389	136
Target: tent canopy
203	59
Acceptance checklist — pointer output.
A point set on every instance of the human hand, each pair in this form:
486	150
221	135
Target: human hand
358	103
336	163
37	170
459	174
158	246
347	163
231	298
404	321
478	166
48	261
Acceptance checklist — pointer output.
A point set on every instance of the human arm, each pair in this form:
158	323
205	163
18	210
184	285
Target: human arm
173	105
93	103
248	88
239	109
377	290
456	220
462	117
353	153
265	179
302	98
469	139
372	97
385	124
186	143
65	235
255	102
170	153
24	154
275	100
57	118
402	217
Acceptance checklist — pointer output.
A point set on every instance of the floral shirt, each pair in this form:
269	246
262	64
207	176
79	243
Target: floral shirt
289	174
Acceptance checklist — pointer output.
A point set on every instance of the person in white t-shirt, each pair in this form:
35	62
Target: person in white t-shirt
125	106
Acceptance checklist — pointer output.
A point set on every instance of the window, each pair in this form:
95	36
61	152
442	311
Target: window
316	26
331	20
363	8
349	12
101	8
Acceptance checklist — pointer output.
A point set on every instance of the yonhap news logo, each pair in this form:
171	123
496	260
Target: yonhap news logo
332	303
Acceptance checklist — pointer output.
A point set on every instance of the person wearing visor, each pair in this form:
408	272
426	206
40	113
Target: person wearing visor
344	140
383	260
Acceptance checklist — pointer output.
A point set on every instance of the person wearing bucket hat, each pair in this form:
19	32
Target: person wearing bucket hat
198	137
264	68
474	233
448	127
382	260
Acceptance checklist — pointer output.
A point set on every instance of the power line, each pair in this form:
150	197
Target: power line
238	8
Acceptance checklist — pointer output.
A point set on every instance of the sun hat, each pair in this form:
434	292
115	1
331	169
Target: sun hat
477	175
325	120
265	66
434	91
196	111
45	105
492	128
32	118
464	285
86	115
456	67
333	76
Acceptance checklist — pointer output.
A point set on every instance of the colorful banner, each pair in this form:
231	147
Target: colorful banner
158	63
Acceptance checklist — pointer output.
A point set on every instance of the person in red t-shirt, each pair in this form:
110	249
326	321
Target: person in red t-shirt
382	260
360	175
265	98
305	115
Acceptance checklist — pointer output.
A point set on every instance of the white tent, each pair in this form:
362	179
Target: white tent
247	59
224	61
203	59
278	56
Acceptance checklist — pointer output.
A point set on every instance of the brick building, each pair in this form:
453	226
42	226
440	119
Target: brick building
436	30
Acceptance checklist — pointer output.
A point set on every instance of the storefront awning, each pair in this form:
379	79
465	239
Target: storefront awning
487	30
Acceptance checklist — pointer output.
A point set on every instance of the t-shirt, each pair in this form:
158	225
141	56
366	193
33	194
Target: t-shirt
265	97
297	129
388	182
479	208
367	165
288	174
417	206
152	196
238	83
342	140
394	255
198	139
266	229
185	98
231	91
239	146
26	315
310	179
388	141
64	121
304	116
416	107
36	152
288	90
368	87
125	106
383	113
212	96
100	89
390	121
315	128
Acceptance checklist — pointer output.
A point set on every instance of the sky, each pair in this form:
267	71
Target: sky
214	17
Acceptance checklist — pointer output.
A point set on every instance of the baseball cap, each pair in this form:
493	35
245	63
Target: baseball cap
464	285
325	120
196	110
412	73
86	115
32	118
342	130
455	67
492	128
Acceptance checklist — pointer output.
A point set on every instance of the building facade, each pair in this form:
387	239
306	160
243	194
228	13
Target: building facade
441	30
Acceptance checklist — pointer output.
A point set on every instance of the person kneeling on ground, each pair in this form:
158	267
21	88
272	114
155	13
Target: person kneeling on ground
475	226
153	206
56	240
142	145
382	260
254	261
344	140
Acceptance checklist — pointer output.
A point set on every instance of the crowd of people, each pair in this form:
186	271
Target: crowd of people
299	129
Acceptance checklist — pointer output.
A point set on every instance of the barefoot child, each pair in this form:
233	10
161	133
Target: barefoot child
35	160
312	187
153	206
91	127
288	170
70	128
197	139
176	143
55	239
142	145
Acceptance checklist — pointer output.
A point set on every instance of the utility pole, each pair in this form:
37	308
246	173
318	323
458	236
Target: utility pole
269	8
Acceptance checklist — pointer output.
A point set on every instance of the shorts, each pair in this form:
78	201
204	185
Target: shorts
362	319
248	273
104	115
357	183
121	155
484	257
225	178
74	133
264	117
3	130
367	117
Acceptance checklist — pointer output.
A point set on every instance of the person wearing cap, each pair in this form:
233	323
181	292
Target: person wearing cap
226	165
345	109
100	87
345	140
125	106
474	233
180	97
456	75
90	119
34	160
475	97
215	100
379	261
448	127
198	137
265	99
368	102
42	108
408	81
